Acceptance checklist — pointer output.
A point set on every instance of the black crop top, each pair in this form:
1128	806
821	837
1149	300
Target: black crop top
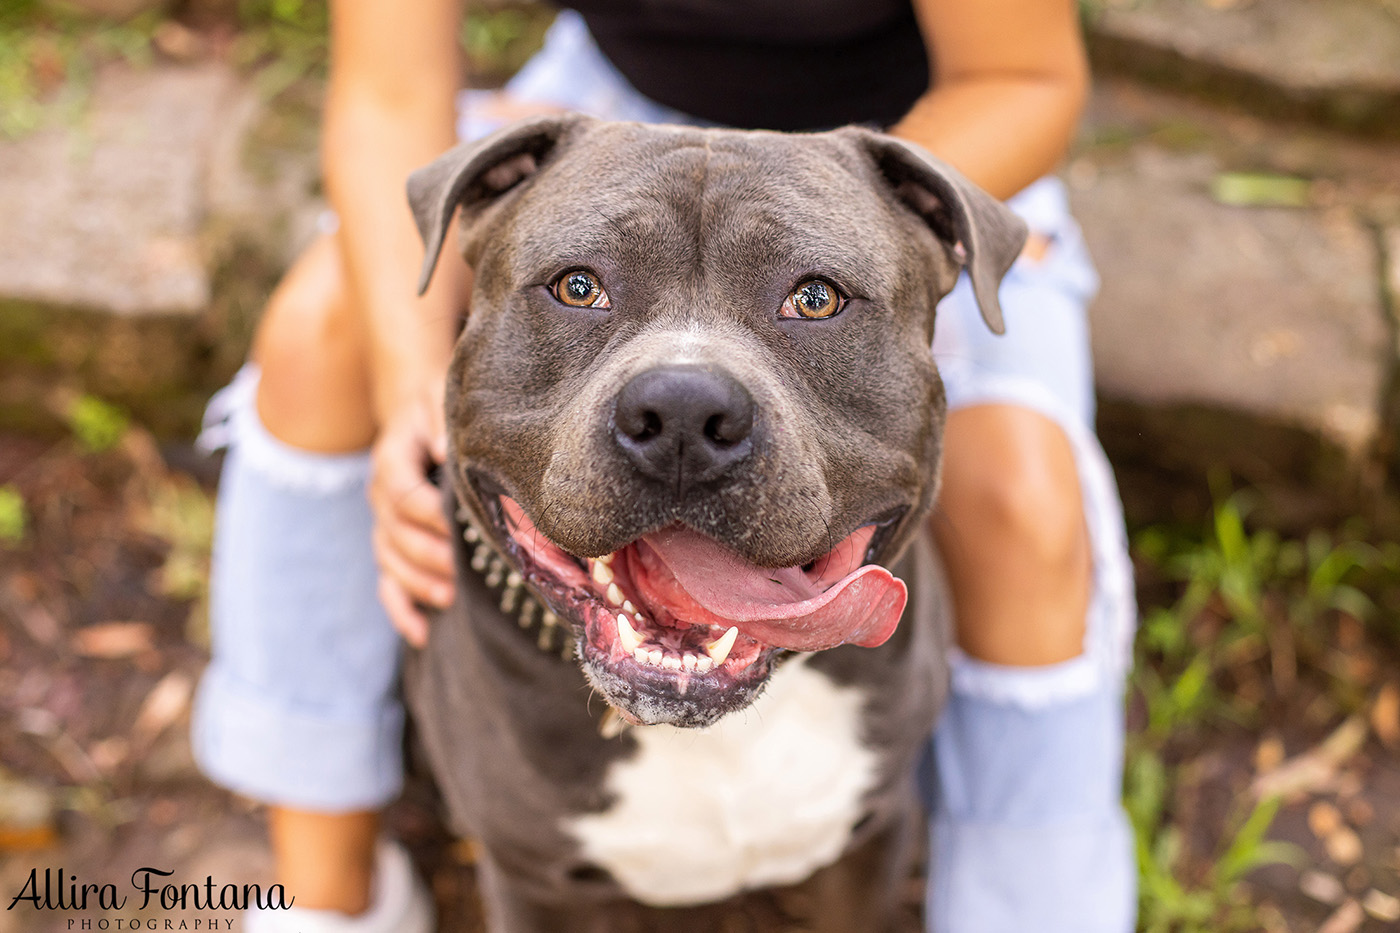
767	64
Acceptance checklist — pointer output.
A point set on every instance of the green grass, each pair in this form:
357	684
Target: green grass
1246	607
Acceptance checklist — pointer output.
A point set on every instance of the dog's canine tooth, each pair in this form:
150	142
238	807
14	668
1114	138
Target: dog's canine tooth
688	661
612	724
480	556
602	573
527	612
614	594
496	572
719	649
627	635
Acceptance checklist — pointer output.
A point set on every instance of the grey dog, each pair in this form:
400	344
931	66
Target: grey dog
695	429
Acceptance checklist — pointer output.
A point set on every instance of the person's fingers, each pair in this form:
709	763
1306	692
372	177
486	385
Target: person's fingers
405	617
421	587
429	552
400	486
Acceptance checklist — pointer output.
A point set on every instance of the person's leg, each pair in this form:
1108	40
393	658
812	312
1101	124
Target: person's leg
1012	536
1028	830
298	706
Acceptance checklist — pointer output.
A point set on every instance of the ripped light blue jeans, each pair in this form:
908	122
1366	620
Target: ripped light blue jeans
299	704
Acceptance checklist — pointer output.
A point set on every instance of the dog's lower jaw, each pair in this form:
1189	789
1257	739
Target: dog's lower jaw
658	699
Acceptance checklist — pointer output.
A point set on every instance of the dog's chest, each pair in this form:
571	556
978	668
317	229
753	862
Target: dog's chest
764	797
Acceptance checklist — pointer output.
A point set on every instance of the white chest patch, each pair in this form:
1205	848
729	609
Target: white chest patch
764	797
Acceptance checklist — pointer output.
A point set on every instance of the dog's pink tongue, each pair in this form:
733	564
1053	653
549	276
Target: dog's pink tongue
788	607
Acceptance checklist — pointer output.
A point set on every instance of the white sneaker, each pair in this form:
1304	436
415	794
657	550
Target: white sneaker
399	903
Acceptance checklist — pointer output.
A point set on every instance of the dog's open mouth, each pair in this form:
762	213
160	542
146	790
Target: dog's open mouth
675	613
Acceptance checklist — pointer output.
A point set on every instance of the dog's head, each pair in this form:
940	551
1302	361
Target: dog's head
694	400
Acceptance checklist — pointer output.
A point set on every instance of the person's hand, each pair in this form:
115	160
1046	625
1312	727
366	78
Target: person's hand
411	535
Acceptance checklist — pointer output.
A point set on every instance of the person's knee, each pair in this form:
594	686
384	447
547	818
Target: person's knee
1012	480
312	351
1014	538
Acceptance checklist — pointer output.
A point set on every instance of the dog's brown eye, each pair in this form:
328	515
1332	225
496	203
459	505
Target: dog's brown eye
814	298
580	289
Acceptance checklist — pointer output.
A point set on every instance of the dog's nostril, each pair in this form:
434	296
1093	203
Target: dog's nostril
719	430
651	426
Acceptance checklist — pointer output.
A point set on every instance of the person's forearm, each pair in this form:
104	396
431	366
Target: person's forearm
1003	133
383	121
381	249
1010	81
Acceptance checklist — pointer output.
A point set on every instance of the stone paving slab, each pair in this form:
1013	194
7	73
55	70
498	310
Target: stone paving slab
1333	61
1271	311
107	214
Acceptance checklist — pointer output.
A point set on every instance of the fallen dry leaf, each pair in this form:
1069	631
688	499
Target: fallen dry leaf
166	702
110	753
26	815
1382	906
1269	755
1322	887
1345	919
1343	846
1324	819
1315	769
113	640
1385	715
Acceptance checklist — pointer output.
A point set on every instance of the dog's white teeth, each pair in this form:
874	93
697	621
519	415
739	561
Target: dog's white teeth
602	573
628	607
688	661
614	595
703	664
719	649
627	635
654	656
639	655
605	559
671	662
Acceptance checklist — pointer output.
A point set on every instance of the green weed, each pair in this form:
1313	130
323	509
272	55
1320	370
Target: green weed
1249	606
14	515
97	425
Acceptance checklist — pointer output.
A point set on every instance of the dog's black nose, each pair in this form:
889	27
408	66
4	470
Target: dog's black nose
684	424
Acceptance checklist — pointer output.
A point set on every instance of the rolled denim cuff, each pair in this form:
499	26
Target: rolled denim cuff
305	759
1028	831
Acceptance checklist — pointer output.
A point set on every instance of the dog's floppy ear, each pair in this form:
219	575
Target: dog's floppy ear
979	227
474	174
